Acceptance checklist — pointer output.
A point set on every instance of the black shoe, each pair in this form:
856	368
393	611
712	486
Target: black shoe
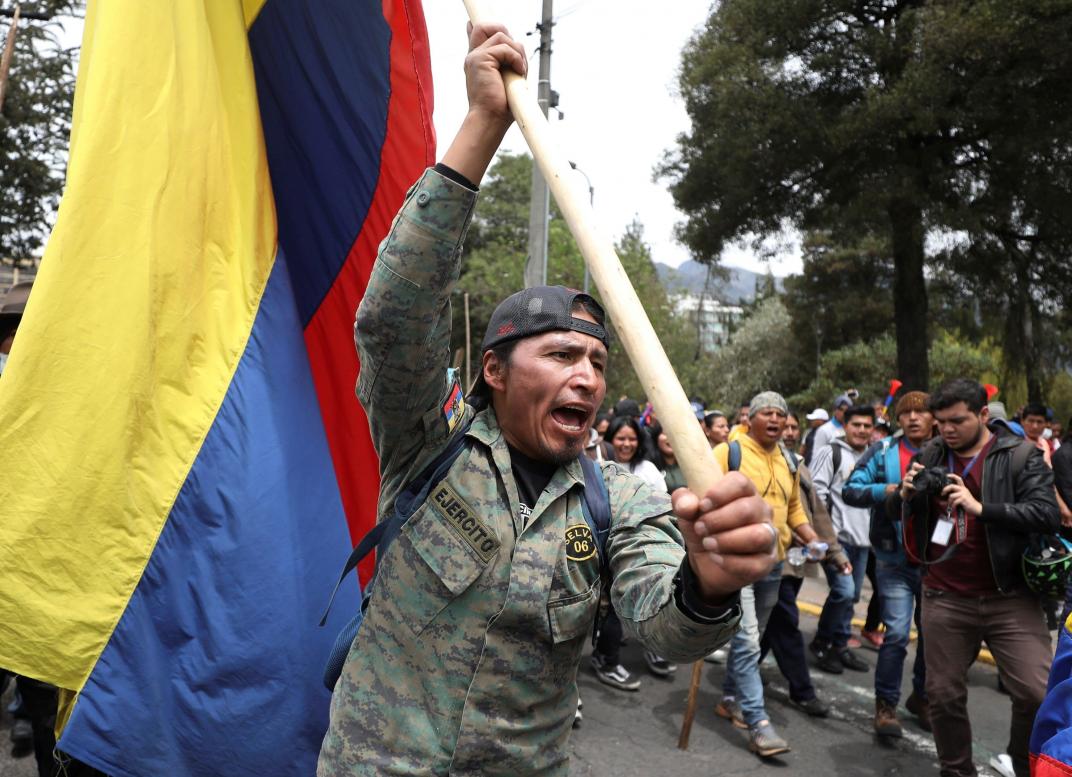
814	706
852	661
658	665
826	658
615	676
919	707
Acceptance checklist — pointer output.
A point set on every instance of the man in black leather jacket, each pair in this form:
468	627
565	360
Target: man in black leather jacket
972	533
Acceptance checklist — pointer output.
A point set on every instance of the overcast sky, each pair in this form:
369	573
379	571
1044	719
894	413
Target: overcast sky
614	65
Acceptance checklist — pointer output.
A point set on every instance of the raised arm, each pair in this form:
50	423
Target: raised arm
402	331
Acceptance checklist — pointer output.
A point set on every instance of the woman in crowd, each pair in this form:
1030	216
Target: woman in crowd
716	427
629	447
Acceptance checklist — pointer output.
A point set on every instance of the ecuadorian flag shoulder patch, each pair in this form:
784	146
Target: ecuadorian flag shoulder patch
454	407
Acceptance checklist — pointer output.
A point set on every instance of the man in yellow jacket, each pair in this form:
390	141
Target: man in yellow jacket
759	456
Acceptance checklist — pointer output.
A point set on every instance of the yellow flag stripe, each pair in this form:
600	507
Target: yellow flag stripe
138	319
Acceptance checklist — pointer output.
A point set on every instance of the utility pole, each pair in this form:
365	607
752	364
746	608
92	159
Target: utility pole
536	266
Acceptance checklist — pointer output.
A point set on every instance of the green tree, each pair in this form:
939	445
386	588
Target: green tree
870	366
843	294
876	116
34	129
760	356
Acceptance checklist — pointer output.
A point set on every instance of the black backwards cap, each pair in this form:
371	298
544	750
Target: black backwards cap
542	309
535	311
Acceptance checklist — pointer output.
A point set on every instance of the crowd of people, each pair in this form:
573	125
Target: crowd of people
974	558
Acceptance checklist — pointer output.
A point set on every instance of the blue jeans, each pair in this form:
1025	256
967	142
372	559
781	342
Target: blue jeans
899	585
742	666
835	621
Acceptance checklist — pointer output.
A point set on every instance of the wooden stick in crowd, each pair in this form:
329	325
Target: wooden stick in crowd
621	302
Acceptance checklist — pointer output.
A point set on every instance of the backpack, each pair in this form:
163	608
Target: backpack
595	504
734	457
883	532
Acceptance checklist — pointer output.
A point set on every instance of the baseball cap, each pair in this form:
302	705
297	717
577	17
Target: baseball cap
818	414
537	310
543	309
843	399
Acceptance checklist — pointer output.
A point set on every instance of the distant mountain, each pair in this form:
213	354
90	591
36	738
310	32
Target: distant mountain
690	276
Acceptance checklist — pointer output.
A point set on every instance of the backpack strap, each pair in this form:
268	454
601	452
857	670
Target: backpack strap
790	459
595	504
383	533
734	458
1020	455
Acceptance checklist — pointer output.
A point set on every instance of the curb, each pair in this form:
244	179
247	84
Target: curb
814	609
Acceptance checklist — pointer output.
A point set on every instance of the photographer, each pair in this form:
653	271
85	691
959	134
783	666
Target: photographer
969	503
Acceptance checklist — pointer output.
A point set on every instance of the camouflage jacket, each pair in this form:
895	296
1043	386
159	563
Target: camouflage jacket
466	662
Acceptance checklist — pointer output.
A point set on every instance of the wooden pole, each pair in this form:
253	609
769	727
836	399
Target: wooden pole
468	362
9	49
690	706
646	353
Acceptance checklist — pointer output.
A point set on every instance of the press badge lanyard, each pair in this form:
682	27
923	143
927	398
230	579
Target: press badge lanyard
943	530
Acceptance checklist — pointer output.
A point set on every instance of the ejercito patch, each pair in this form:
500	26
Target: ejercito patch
580	544
462	519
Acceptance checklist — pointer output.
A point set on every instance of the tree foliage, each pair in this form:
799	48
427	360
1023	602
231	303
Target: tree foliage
843	294
34	129
762	355
870	366
890	117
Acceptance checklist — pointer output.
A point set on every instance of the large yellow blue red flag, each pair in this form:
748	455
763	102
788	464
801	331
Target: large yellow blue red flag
185	465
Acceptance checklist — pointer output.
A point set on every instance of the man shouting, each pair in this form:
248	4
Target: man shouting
466	662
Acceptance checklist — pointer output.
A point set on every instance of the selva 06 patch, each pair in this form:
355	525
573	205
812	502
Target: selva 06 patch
580	544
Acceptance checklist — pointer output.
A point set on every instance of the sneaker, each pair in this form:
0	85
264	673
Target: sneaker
872	638
729	709
826	658
921	709
764	741
717	656
1002	764
886	723
850	660
615	676
658	665
578	716
815	707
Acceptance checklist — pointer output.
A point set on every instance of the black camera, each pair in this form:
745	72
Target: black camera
931	481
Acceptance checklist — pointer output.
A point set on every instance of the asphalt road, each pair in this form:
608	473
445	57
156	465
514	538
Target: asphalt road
635	734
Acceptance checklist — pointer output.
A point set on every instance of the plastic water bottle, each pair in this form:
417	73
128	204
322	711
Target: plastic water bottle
816	551
795	557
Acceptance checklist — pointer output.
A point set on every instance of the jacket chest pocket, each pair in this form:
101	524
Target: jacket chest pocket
571	616
439	557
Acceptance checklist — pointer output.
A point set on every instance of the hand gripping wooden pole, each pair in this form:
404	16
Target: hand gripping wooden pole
631	323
